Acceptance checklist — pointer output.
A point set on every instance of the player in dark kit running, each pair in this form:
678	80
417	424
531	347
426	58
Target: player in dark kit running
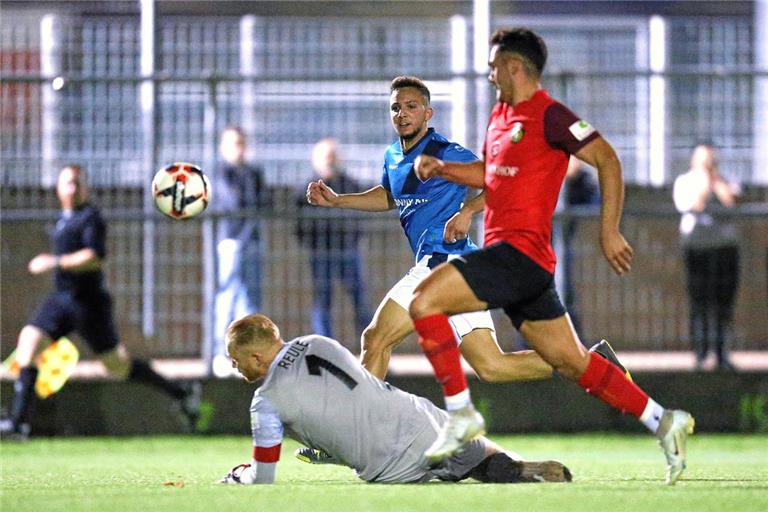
529	140
79	303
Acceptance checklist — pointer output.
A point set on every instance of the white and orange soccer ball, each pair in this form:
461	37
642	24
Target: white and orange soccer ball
181	190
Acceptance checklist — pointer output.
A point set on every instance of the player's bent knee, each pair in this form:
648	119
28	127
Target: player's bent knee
421	306
30	342
485	369
489	373
571	370
489	367
374	340
30	333
566	371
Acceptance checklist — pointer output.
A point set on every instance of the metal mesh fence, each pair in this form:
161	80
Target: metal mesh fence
291	81
714	105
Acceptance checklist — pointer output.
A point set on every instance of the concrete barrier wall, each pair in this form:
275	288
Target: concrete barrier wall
720	402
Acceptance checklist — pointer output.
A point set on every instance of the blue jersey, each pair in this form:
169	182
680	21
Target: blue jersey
426	206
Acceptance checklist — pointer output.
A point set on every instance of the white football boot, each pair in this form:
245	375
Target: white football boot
463	425
674	428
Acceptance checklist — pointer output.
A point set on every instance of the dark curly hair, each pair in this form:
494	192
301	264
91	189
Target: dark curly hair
524	42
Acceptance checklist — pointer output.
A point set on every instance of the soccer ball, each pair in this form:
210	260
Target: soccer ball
181	190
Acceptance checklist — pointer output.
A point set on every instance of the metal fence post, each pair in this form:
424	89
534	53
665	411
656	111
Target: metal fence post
481	29
760	96
460	124
50	67
208	233
149	150
657	143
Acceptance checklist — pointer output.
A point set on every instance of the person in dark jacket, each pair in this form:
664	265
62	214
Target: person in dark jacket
333	244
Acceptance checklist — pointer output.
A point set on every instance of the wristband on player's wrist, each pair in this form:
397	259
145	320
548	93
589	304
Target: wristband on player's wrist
57	260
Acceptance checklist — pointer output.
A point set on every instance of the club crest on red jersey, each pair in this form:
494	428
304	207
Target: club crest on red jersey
517	132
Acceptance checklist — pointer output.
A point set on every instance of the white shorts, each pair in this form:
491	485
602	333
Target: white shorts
463	324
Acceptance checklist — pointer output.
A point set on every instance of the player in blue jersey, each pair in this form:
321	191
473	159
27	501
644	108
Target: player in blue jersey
436	222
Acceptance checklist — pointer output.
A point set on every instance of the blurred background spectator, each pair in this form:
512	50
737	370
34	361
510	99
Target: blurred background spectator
332	238
240	192
711	252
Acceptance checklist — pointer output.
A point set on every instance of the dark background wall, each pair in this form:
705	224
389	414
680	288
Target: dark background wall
720	402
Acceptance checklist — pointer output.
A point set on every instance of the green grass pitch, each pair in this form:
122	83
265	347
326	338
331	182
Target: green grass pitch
611	473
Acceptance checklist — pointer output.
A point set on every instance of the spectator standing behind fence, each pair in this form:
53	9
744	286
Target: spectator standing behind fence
80	303
333	243
581	189
711	252
240	190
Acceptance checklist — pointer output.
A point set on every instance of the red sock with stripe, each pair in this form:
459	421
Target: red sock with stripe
438	341
605	381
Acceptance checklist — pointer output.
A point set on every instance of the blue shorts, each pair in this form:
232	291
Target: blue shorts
62	313
506	278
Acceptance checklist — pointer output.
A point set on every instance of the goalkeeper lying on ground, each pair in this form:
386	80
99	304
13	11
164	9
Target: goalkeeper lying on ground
315	391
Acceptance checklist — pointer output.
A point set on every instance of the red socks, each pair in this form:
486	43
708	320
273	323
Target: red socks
439	344
605	381
601	378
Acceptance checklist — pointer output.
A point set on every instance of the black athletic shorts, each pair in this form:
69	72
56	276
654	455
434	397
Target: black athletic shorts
62	313
506	278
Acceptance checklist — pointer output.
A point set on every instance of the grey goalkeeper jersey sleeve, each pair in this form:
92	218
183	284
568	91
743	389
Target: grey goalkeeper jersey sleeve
318	393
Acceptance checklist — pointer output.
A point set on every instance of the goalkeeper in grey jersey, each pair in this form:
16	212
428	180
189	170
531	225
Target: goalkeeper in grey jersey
315	391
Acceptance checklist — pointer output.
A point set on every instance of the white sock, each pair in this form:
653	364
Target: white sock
652	415
457	401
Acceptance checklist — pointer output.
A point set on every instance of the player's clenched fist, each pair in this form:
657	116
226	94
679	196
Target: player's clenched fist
457	227
320	194
427	166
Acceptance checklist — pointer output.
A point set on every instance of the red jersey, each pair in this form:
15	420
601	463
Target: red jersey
527	147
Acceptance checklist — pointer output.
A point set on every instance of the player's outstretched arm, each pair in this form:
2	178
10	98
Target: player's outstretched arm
376	199
463	173
616	249
267	431
457	227
83	260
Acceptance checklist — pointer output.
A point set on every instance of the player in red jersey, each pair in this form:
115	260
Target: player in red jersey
529	140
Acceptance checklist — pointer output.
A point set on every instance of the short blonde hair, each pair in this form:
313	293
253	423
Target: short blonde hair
257	330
